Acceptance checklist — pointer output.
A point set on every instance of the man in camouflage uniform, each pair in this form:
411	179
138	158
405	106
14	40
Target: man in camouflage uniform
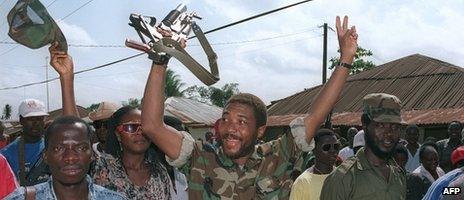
372	173
240	168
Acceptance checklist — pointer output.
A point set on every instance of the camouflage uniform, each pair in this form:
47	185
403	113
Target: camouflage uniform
266	175
356	178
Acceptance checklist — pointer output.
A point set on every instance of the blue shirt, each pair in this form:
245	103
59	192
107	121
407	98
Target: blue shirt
436	189
44	191
31	154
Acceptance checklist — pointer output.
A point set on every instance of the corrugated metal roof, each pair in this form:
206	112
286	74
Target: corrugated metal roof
191	111
419	117
420	82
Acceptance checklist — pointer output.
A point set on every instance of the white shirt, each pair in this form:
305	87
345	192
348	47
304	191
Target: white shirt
424	173
181	186
413	161
345	153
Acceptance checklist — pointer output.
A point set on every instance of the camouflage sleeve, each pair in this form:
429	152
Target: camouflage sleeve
298	130
185	152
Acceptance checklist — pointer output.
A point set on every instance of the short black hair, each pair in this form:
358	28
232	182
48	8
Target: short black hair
65	120
174	122
259	108
424	146
455	122
411	127
400	149
322	133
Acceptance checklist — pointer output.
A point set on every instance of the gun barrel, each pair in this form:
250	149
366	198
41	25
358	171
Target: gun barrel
174	14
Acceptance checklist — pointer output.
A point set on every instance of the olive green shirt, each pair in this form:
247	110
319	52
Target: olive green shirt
357	179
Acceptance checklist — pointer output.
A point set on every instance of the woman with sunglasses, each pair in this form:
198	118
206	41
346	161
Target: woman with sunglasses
309	184
129	166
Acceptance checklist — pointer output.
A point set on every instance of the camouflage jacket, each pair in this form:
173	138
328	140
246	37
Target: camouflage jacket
266	175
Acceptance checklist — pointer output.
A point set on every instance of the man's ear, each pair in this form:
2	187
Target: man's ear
261	131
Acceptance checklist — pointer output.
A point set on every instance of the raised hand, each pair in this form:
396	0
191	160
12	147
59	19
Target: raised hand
347	40
61	61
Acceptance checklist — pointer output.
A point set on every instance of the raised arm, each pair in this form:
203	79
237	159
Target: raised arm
328	96
63	64
168	139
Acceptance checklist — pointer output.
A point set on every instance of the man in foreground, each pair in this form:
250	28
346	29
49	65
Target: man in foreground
241	169
372	173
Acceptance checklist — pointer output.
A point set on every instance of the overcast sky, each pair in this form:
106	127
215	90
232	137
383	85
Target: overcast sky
273	56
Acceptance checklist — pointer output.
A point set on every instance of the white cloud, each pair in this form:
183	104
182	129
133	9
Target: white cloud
75	34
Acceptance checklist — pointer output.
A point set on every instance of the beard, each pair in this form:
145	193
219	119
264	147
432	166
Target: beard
376	150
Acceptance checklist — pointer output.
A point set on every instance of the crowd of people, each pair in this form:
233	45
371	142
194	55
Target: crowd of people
139	153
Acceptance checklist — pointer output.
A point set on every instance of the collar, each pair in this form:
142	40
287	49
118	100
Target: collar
363	163
254	159
89	185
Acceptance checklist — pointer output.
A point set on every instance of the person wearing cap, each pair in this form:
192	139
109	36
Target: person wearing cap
100	120
419	181
372	173
457	157
447	146
348	151
24	152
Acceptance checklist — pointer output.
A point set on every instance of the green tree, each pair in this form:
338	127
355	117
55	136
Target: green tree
134	102
359	63
213	95
92	107
6	112
173	85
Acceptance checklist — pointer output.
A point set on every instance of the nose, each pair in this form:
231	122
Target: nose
70	156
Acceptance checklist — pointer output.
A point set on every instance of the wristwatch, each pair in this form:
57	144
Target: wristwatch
346	65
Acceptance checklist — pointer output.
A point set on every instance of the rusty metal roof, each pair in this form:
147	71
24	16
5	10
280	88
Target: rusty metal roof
419	117
420	82
192	112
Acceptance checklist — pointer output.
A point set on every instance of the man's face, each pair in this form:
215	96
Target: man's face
327	149
382	138
238	130
412	136
100	130
430	159
69	153
454	131
33	126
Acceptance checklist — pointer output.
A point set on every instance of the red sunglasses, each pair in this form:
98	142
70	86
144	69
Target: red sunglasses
130	127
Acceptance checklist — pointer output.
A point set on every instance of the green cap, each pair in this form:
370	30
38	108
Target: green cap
381	107
32	26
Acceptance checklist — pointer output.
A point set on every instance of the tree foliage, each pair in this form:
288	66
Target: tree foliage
173	85
134	102
7	111
93	107
212	95
359	63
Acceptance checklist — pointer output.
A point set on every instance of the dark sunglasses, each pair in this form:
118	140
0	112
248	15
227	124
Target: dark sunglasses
130	127
327	147
99	124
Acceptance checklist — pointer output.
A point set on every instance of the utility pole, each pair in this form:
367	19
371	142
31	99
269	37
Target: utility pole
324	56
328	120
46	78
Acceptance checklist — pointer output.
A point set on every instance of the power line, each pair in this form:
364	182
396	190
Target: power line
74	11
78	72
130	57
253	17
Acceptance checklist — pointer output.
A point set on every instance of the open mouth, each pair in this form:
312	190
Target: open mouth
231	141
